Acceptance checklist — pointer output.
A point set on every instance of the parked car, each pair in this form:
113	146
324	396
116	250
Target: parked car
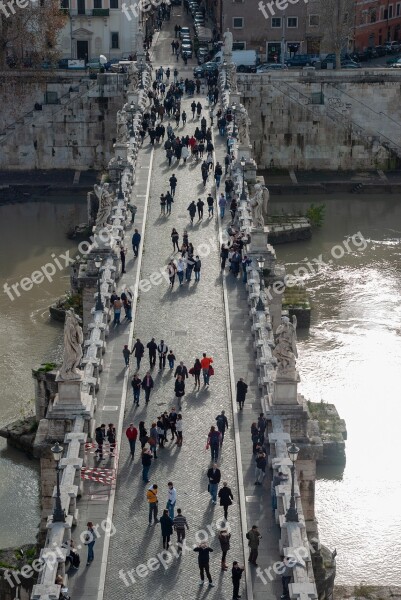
202	55
350	64
301	60
346	62
381	50
394	59
206	68
186	49
270	67
185	32
396	64
392	47
186	40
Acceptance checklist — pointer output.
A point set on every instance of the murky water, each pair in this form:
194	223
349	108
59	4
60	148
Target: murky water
29	234
352	357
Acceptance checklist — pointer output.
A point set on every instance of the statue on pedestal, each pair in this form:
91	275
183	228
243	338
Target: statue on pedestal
121	125
243	123
259	203
73	340
139	44
105	199
286	347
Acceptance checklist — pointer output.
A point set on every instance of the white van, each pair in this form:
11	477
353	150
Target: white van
246	60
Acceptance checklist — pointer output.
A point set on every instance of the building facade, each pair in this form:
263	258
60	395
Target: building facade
376	22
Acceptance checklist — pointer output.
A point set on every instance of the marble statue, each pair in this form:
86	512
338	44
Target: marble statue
73	340
259	203
139	43
286	347
243	123
228	42
105	198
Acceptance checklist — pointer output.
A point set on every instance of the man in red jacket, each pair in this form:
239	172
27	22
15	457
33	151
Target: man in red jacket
132	434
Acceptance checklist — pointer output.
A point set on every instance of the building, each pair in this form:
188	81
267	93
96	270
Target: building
376	22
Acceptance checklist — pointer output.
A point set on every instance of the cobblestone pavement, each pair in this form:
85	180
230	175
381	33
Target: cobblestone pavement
191	320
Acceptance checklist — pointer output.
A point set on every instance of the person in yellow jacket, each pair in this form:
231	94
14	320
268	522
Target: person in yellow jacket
151	496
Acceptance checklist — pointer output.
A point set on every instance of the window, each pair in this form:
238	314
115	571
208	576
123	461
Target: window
65	4
385	14
239	45
238	22
97	3
398	10
239	1
113	3
373	16
276	22
292	22
81	7
114	40
314	20
390	11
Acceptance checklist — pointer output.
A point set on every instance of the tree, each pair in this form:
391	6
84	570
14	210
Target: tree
337	21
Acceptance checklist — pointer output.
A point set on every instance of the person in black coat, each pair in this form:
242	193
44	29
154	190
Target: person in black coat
236	574
167	528
147	385
242	389
226	498
179	388
203	551
138	350
152	347
181	370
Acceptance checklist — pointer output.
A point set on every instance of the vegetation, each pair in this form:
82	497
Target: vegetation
337	19
46	367
71	300
330	424
315	214
295	296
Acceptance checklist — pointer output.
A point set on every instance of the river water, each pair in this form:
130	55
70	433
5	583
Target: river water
29	234
351	357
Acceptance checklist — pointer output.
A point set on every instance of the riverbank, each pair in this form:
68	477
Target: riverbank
364	591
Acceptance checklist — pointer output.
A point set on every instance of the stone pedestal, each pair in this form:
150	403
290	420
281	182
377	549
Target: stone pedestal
285	388
71	400
244	151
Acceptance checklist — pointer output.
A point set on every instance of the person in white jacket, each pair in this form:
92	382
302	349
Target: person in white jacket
171	499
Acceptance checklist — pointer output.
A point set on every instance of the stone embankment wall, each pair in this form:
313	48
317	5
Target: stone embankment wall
345	120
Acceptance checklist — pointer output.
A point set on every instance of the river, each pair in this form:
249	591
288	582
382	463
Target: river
351	357
29	234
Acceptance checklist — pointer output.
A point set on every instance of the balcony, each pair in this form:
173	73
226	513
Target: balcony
92	12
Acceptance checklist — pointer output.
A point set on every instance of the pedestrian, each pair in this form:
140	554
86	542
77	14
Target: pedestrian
262	424
117	310
143	434
222	205
192	211
184	154
138	351
214	477
233	209
179	427
204	551
169	201
226	498
190	266
200	204
253	536
153	439
147	385
206	363
223	255
180	524
89	541
126	354
166	523
132	434
218	172
174	238
236	574
171	359
173	184
100	436
182	371
242	389
214	442
111	438
197	268
254	436
172	420
224	539
289	563
210	205
222	424
152	347
162	349
136	383
171	499
198	109
244	264
179	389
162	205
161	432
172	270
193	108
227	163
278	479
151	496
180	269
122	257
128	307
260	469
136	239
196	371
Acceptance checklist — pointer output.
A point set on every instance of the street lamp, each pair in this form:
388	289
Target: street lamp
260	307
292	513
243	194
58	512
99	303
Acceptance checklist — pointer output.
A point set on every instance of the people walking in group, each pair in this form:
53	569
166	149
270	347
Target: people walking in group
152	348
181	370
111	435
132	434
100	436
192	211
226	498
174	238
171	359
166	523
138	351
224	539
196	371
179	389
136	383
172	270
152	498
179	428
260	469
197	268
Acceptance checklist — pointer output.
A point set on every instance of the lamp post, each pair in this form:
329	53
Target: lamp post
58	512
99	303
233	109
243	194
292	513
260	307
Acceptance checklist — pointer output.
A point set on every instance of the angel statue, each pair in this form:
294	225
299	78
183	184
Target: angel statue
243	122
228	42
73	340
105	199
259	204
286	348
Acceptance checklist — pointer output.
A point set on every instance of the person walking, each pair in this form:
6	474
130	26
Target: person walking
184	118
197	268
181	370
262	424
173	184
153	502
180	269
153	438
224	539
162	349
179	428
254	437
222	424
192	211
111	438
100	436
205	364
171	499
210	205
152	348
126	355
122	257
196	371
289	563
218	172
200	204
214	476
132	434
227	163
253	536
117	305
138	351
236	574
89	541
179	389
171	359
136	383
223	255
166	523
146	460
226	498
222	205
190	266
147	385
214	442
143	434
169	201
204	551
172	270
180	525
260	469
162	205
242	389
174	238
136	240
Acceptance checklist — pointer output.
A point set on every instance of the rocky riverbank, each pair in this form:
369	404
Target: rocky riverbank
21	434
